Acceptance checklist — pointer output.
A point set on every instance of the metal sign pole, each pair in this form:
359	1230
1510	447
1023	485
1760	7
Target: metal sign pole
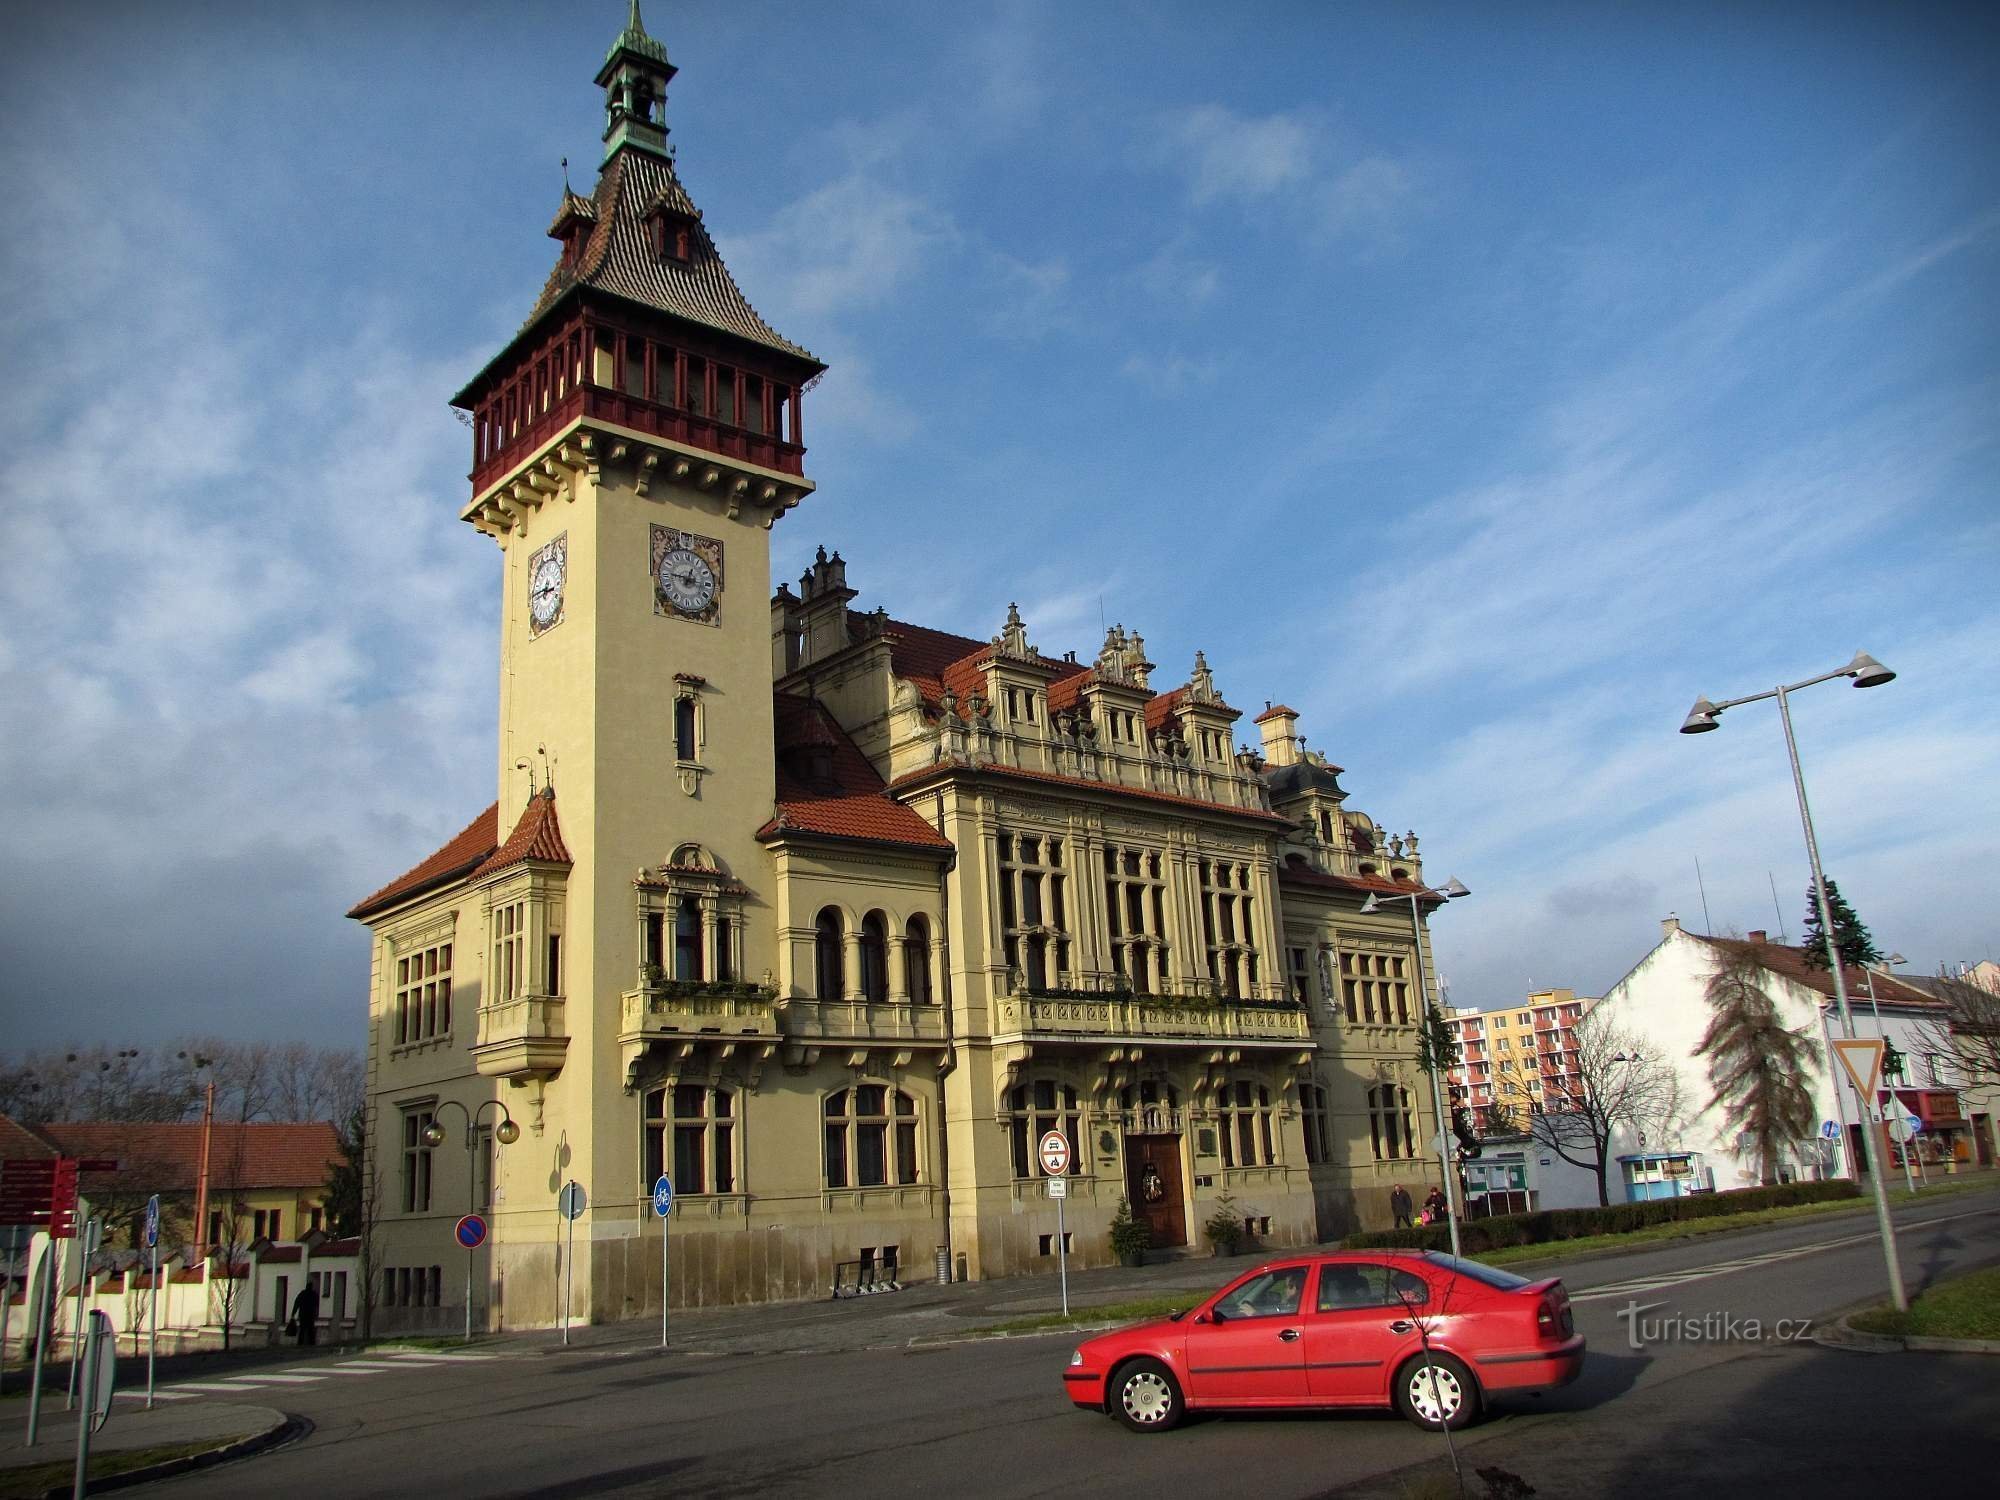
42	1288
153	1325
76	1326
86	1419
666	1271
1062	1251
569	1272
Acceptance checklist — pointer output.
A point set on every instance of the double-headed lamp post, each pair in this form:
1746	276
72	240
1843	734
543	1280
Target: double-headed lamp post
506	1133
1451	890
1865	672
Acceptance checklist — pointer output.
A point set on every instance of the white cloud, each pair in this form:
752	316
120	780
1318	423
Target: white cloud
1172	374
850	245
1227	155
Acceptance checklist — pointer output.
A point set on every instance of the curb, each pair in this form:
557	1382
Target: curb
289	1430
1896	1343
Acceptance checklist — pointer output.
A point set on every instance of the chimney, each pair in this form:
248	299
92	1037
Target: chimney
1669	927
1279	726
1759	935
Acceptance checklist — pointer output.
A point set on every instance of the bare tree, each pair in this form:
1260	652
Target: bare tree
1965	1039
1614	1085
315	1083
1757	1064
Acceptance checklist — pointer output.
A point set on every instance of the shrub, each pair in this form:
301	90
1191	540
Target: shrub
1129	1236
1224	1227
1548	1226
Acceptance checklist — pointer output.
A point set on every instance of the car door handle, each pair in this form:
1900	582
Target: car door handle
1290	1335
1401	1325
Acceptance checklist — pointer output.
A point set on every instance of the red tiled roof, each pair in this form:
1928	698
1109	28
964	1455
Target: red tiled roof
850	803
920	655
538	836
1276	710
462	855
1158	708
1791	963
20	1142
1296	872
167	1158
1095	788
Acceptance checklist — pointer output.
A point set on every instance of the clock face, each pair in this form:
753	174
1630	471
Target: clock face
686	580
545	585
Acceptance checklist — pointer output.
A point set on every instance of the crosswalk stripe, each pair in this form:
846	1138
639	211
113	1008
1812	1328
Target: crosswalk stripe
202	1385
279	1379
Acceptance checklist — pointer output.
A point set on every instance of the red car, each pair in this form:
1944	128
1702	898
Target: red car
1342	1330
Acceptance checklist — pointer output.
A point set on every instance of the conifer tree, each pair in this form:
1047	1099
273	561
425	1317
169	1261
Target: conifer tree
1756	1063
1850	935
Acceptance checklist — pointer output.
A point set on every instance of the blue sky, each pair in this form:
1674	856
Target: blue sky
1483	381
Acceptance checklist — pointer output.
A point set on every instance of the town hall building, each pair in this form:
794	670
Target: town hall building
825	915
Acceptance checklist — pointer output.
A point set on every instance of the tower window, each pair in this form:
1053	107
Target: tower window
684	729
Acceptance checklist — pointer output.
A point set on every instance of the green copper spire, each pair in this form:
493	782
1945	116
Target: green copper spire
634	79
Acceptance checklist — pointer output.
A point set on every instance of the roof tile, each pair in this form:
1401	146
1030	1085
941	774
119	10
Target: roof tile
847	801
465	851
538	836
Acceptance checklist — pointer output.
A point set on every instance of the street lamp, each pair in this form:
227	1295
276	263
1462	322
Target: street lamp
1451	890
1865	672
506	1133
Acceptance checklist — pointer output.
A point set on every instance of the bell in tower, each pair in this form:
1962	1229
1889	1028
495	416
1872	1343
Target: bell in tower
634	78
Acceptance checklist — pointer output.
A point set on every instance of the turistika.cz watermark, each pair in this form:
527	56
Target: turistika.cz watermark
1708	1328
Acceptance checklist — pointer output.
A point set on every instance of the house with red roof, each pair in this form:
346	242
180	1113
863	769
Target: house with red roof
827	917
1662	1006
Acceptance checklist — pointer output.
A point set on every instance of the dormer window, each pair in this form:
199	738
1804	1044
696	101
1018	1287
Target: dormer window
673	234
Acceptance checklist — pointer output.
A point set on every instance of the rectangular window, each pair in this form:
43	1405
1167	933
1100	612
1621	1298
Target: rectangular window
423	994
1033	909
416	1162
510	958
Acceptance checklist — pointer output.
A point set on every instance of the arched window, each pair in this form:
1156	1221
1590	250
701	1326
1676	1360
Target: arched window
687	940
700	1133
1246	1125
1034	1110
917	959
829	963
871	1137
684	735
874	957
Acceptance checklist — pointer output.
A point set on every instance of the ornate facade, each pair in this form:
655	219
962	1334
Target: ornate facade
827	916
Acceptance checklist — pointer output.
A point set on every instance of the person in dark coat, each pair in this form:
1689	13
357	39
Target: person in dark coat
1399	1205
305	1313
1434	1206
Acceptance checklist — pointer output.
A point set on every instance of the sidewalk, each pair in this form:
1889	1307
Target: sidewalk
202	1426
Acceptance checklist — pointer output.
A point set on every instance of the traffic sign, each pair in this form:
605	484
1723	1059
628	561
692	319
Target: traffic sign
152	1221
663	1195
572	1200
1862	1058
1829	1130
470	1231
1901	1128
1058	1187
1054	1152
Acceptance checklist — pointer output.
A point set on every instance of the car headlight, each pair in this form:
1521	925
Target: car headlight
1075	1358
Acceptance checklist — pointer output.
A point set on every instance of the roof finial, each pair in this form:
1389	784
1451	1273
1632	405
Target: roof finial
565	176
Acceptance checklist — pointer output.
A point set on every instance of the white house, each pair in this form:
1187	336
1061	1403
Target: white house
1661	1002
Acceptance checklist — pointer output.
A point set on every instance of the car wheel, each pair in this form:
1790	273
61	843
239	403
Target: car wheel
1436	1393
1145	1397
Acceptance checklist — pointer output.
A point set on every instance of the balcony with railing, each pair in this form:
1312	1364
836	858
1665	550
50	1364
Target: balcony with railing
664	1010
803	1018
1153	1017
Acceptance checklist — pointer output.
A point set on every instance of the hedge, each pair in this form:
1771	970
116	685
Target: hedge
1548	1225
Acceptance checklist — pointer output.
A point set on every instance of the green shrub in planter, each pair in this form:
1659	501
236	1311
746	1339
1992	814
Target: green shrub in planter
1225	1228
1130	1238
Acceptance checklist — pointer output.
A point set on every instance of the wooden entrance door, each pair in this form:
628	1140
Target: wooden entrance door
1153	1183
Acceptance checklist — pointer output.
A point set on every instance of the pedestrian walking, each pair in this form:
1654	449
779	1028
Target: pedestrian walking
1399	1205
305	1313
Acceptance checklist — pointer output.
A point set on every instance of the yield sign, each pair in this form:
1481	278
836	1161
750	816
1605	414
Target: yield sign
1862	1058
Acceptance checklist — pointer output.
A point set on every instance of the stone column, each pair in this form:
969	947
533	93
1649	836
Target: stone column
899	970
850	979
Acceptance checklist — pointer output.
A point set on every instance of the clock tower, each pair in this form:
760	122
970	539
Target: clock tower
632	446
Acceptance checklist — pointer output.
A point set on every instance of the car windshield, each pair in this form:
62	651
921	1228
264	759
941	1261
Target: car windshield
1493	1276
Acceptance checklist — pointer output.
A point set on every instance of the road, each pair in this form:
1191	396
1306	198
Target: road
989	1418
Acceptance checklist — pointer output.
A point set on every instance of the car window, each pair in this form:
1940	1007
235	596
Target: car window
1347	1286
1272	1294
1493	1276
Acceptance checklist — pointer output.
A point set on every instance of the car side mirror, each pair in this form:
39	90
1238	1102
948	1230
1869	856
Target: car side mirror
1203	1318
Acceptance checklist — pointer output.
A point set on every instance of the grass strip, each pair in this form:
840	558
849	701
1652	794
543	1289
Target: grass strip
1962	1307
37	1480
1138	1310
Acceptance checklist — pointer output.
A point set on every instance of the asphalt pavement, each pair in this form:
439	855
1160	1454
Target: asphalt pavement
873	1395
